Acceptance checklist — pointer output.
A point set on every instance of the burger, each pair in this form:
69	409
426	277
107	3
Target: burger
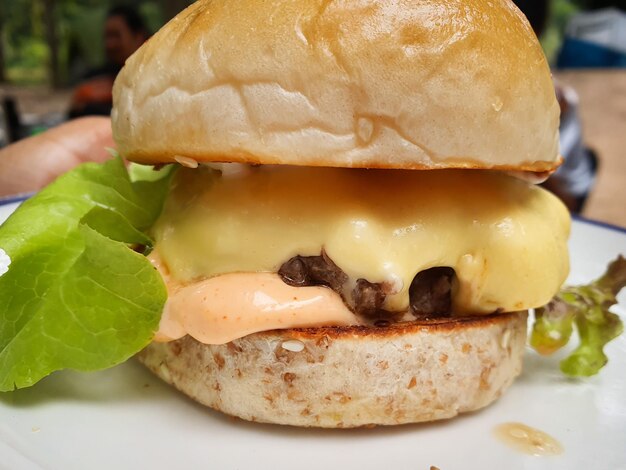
352	238
343	231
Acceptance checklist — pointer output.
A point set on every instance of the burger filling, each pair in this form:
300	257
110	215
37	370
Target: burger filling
284	247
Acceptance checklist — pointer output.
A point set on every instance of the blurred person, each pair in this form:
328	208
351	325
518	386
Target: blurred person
574	179
124	32
30	164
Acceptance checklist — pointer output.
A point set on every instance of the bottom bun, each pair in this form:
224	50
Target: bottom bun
346	377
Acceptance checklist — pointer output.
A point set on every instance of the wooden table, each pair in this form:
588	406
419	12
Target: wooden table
603	114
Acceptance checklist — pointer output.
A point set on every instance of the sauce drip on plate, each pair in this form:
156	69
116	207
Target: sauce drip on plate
528	440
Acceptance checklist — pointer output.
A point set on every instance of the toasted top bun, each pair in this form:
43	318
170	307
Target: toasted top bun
376	84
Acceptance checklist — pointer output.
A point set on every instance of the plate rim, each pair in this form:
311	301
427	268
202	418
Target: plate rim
5	201
598	223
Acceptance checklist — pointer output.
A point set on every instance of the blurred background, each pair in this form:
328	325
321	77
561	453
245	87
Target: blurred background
48	48
58	59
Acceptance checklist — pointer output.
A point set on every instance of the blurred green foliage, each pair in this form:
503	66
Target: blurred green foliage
560	12
79	26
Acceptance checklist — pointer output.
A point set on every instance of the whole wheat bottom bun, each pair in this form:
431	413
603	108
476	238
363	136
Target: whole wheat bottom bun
350	376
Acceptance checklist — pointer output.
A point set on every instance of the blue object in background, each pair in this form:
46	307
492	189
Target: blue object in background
595	39
578	53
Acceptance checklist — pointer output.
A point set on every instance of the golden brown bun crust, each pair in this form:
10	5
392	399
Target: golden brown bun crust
376	84
351	376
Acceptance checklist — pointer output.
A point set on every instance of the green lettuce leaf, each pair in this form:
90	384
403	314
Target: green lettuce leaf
76	295
587	309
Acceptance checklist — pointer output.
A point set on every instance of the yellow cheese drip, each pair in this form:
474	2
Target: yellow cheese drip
506	239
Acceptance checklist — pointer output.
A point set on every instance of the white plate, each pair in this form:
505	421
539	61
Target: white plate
124	418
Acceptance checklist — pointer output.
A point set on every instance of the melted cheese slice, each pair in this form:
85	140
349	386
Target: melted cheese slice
506	239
